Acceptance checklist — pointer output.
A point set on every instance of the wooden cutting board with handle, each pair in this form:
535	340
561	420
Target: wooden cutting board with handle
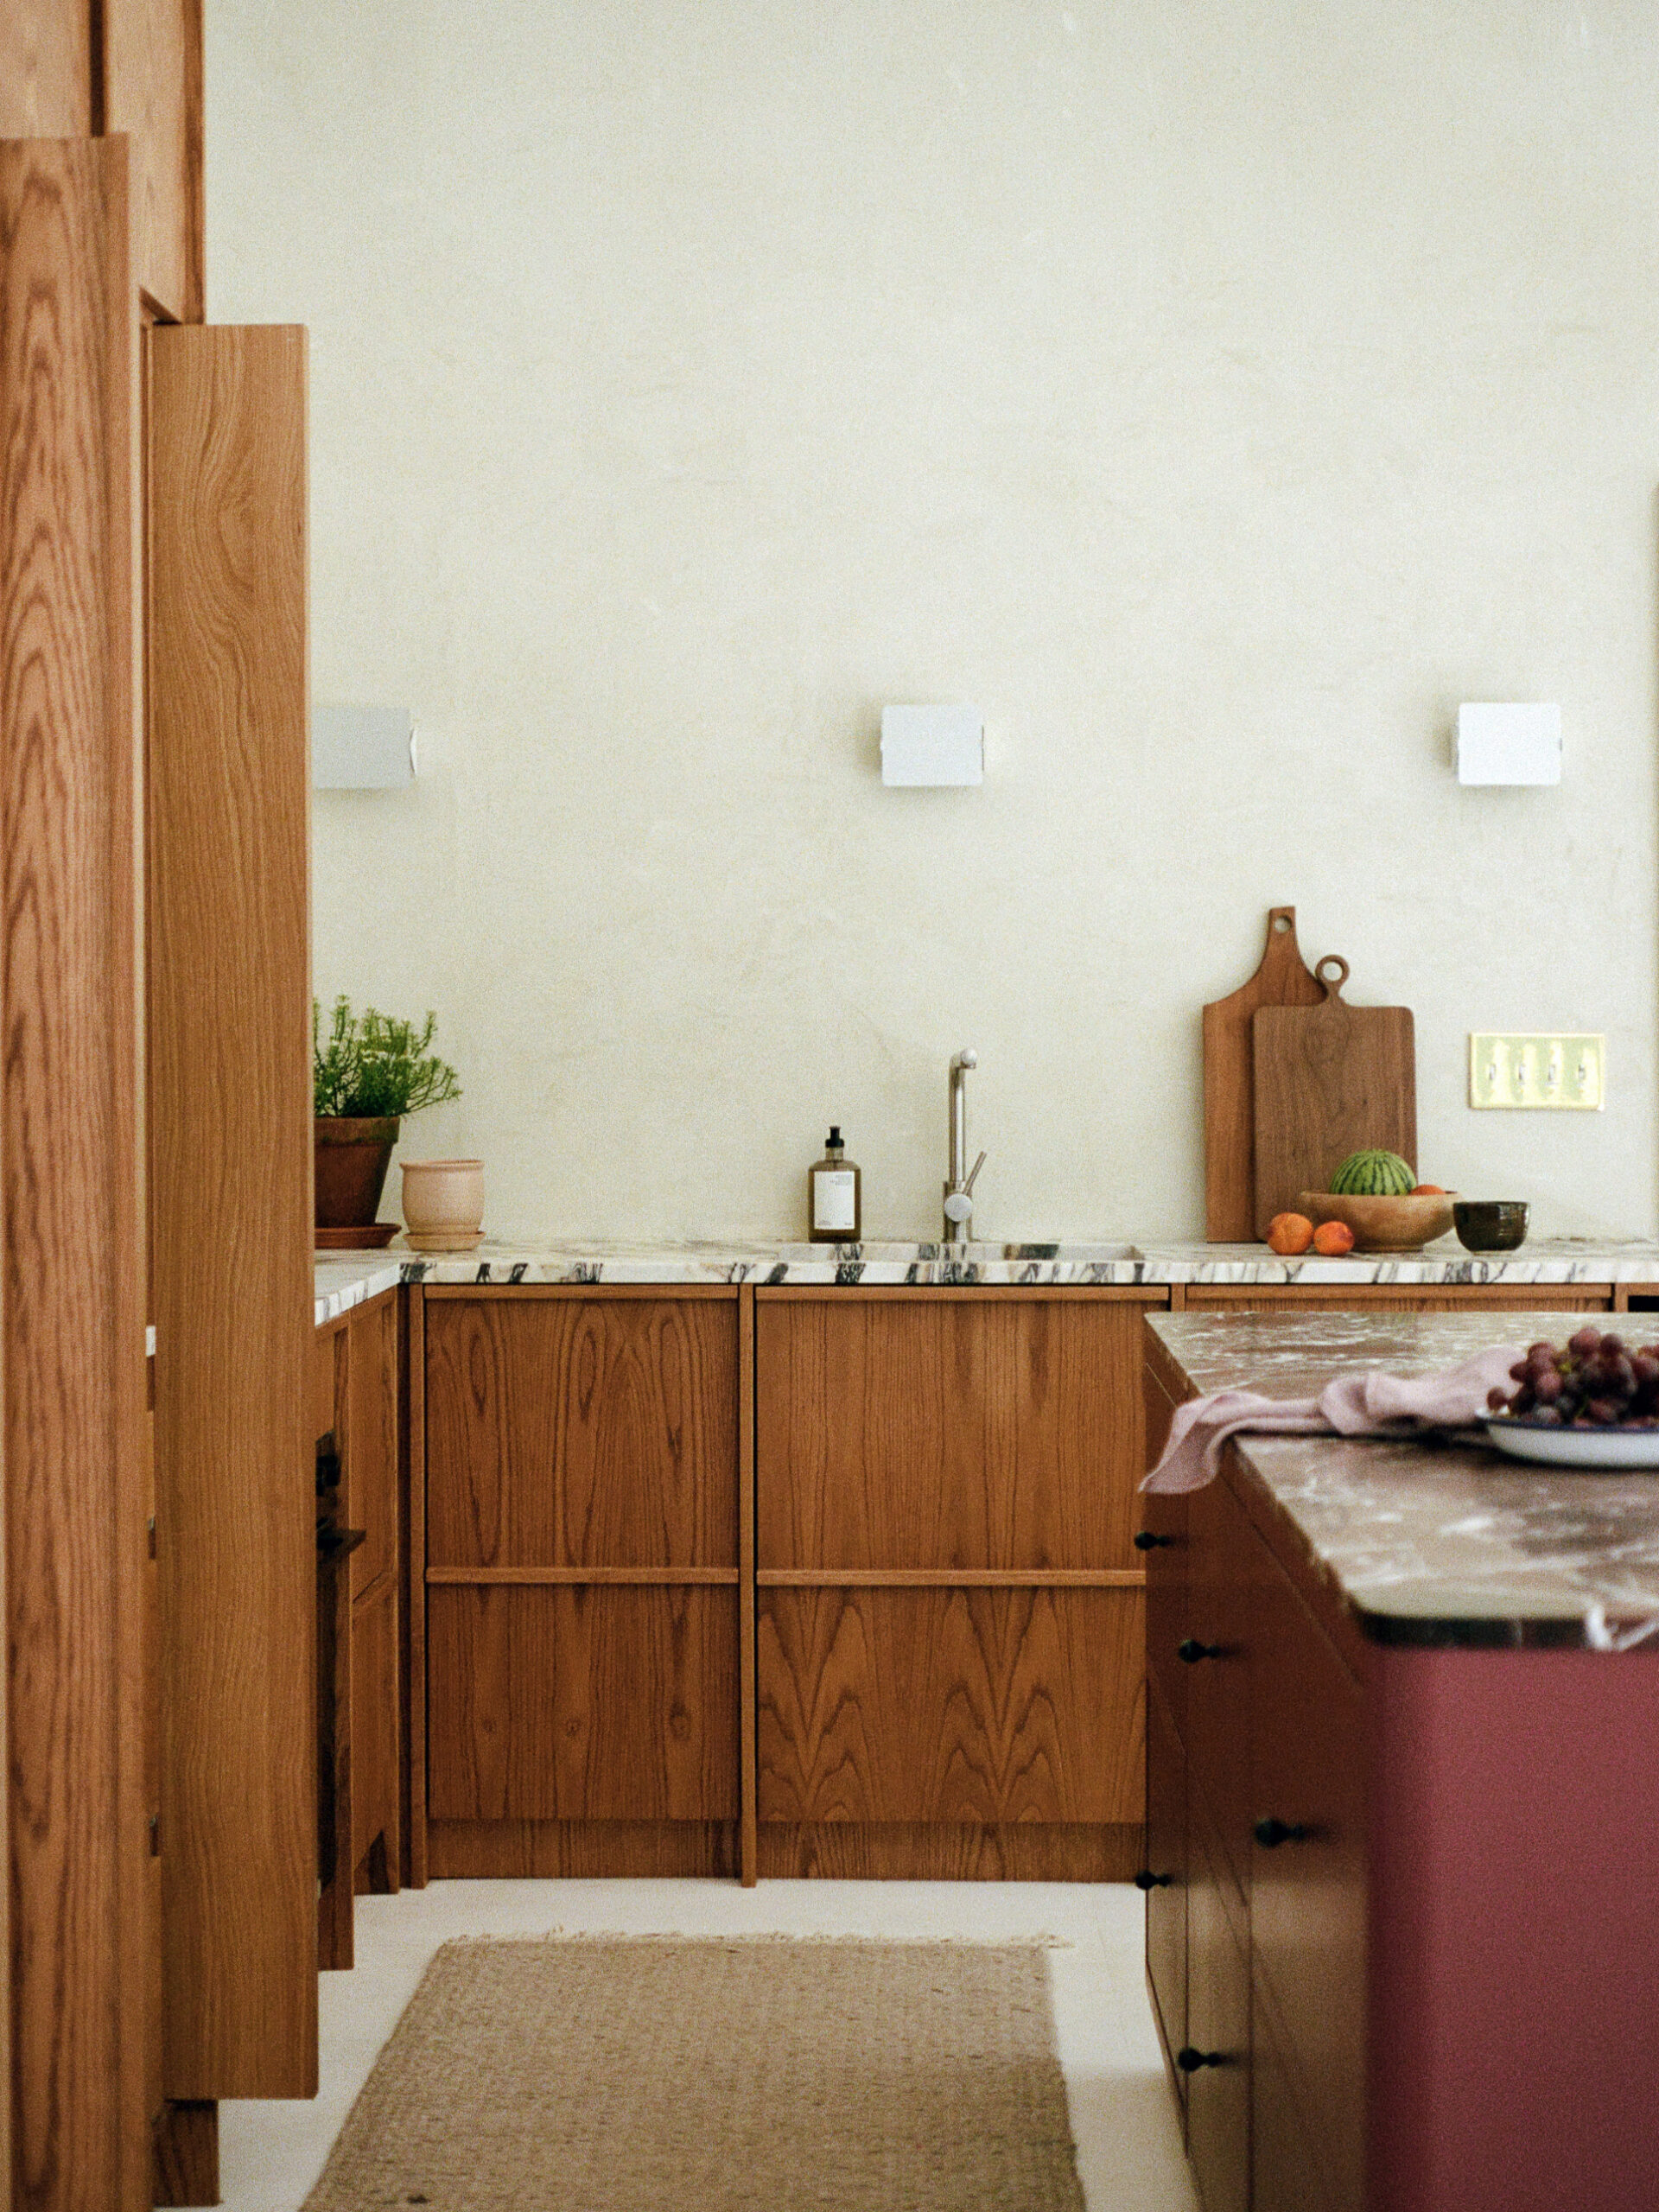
1330	1079
1283	979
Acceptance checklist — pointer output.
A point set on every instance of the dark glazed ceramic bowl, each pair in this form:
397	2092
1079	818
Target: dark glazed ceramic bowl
1489	1225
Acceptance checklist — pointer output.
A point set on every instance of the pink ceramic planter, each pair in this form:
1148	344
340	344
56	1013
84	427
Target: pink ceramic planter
443	1204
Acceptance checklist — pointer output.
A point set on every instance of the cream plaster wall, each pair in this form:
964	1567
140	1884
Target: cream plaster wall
1215	394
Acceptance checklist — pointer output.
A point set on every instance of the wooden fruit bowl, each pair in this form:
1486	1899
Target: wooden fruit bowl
1403	1224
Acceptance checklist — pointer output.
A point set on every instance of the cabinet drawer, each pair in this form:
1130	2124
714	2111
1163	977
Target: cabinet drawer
1307	1892
1218	2027
617	1703
1165	1860
1169	1599
573	1432
947	1433
950	1704
1285	2174
1222	1553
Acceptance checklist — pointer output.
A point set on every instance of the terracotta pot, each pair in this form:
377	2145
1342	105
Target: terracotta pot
443	1204
351	1159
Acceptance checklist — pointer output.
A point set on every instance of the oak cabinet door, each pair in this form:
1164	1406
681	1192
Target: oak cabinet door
371	1440
581	1432
1218	2030
374	1726
990	1432
964	1704
581	1703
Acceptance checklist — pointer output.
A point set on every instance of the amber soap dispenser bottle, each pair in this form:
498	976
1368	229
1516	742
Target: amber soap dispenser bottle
835	1198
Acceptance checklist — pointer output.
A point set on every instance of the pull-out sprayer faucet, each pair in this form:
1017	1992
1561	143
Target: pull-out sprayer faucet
958	1193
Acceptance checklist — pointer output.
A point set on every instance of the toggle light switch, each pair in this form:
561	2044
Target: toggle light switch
1536	1071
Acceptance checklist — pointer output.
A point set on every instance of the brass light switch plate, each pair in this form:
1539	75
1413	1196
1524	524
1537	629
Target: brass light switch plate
1564	1071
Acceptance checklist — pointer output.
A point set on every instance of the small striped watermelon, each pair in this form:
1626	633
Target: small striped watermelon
1373	1175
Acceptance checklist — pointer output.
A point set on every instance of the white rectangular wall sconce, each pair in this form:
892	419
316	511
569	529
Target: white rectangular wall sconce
1508	745
362	749
932	747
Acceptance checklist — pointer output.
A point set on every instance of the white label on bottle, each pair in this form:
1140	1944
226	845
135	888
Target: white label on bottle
832	1198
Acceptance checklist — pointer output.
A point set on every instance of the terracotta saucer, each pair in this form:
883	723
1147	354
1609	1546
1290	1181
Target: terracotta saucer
373	1237
444	1240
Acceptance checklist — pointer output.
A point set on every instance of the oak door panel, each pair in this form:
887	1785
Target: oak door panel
577	1702
152	91
581	1432
1308	1893
374	1725
76	1958
882	1705
950	1434
372	1438
46	69
231	1143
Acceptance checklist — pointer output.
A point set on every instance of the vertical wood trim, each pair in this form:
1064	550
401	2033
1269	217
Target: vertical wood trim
414	1541
46	69
71	1308
230	1162
748	1848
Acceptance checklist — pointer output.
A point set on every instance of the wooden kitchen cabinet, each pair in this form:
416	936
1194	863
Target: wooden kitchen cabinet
948	1600
587	1510
77	68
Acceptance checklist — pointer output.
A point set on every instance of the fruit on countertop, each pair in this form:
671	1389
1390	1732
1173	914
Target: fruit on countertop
1591	1382
1373	1174
1289	1233
1427	1191
1332	1238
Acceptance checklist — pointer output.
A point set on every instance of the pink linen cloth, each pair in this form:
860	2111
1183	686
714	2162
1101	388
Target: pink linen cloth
1352	1405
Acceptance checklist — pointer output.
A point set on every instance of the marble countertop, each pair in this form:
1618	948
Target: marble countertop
1123	1264
1439	1542
347	1279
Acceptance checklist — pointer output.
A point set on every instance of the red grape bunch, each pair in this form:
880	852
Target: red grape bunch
1593	1381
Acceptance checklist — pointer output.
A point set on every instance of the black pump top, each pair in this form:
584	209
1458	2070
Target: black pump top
835	1140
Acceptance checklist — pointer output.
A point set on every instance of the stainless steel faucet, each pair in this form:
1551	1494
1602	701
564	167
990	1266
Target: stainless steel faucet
958	1194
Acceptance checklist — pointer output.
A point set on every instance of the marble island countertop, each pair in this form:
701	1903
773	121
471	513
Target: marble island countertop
1437	1542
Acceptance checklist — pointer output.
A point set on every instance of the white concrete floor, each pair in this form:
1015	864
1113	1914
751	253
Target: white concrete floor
1122	2117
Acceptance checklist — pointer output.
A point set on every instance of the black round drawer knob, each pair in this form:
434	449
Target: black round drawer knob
1146	1879
1270	1833
1190	2061
1145	1541
1191	1650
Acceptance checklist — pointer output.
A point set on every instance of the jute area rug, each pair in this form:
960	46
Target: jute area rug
618	2074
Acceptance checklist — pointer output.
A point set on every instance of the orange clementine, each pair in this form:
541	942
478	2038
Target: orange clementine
1290	1232
1332	1238
1427	1190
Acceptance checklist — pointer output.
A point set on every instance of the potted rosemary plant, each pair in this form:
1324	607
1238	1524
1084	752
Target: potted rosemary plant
367	1072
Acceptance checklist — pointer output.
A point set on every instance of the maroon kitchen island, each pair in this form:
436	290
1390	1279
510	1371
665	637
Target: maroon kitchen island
1402	1839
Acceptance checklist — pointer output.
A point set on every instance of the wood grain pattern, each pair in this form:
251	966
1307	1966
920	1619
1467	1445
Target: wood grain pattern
918	1432
1218	2021
411	1537
970	1706
152	87
231	1178
937	1851
46	69
187	2154
1330	1079
577	1433
582	1850
581	1704
748	1813
336	1927
1282	979
72	1316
